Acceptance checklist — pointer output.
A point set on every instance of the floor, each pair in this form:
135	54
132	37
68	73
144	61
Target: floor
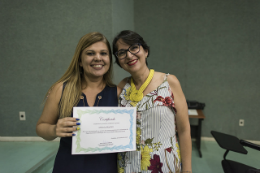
19	157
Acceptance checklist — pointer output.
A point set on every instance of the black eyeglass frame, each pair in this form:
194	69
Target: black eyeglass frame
116	54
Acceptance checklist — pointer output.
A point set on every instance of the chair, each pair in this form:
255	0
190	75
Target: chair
232	143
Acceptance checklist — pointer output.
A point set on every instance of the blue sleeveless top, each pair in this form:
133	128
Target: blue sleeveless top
94	163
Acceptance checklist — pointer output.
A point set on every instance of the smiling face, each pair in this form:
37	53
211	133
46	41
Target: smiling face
132	62
95	60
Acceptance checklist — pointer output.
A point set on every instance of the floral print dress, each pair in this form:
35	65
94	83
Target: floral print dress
157	148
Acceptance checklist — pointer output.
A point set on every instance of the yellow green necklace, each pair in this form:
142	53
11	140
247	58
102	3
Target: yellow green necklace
137	95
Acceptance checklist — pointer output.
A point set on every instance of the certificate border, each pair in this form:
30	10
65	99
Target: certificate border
97	149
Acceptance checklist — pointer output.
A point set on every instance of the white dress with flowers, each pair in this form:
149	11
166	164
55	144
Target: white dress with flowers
156	142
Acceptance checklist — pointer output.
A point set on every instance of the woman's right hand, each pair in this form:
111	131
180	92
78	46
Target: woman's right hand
66	126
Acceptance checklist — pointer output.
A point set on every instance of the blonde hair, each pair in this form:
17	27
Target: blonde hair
73	76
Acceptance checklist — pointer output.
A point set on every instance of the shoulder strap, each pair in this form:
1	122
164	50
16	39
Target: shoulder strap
63	87
165	77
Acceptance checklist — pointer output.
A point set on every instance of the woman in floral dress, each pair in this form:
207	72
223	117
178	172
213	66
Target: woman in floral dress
161	111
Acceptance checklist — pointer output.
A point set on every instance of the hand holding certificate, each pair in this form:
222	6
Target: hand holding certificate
104	130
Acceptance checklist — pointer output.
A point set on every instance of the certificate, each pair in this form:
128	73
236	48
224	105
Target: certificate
104	130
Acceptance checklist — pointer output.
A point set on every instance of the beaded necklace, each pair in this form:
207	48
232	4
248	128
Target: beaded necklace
137	95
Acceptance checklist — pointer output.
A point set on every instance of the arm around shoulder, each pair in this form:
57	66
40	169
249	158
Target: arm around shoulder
46	124
122	83
119	90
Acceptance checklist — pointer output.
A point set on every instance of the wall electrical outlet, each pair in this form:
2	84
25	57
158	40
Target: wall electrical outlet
22	116
241	122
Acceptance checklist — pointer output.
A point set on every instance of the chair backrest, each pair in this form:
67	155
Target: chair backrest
228	142
232	143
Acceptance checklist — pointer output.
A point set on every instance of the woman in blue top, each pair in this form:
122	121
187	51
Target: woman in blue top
87	82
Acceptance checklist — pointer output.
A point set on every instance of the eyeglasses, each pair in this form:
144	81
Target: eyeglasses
134	49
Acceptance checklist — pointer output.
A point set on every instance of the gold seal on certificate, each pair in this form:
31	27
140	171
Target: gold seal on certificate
104	130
